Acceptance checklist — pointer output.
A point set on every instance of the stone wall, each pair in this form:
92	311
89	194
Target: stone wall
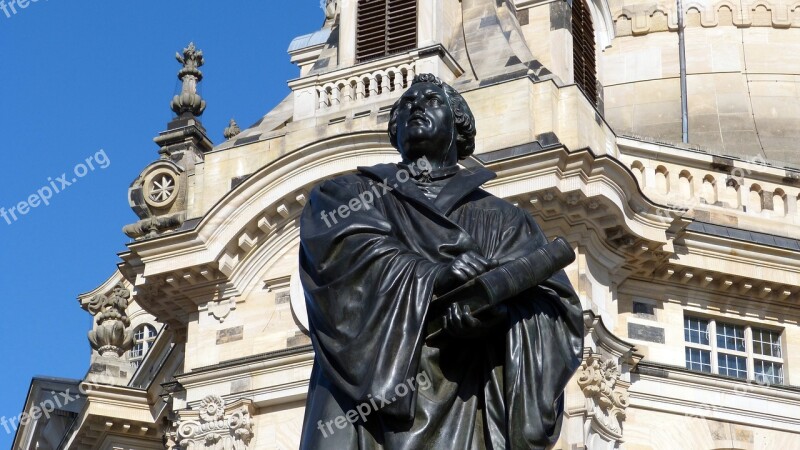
742	93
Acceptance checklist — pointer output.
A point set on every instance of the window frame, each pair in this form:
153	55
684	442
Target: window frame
749	352
150	333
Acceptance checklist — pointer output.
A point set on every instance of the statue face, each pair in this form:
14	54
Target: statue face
426	125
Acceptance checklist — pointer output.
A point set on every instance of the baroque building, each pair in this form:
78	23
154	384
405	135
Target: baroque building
688	253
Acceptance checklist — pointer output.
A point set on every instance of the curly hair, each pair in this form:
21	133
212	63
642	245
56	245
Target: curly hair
464	120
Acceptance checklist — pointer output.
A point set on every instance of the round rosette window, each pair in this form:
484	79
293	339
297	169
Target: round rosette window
161	188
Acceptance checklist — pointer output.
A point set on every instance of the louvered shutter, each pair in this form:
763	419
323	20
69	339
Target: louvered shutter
385	27
583	49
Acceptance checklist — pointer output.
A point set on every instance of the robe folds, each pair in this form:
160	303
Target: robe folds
368	272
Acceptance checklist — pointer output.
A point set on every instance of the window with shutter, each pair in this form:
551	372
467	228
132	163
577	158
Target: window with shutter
583	49
385	27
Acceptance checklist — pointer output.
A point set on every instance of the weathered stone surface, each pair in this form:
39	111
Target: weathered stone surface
646	333
232	334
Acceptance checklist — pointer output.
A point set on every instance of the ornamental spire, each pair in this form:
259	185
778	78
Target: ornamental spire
189	103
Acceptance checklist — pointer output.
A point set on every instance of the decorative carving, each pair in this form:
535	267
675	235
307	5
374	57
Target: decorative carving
210	427
111	337
158	197
161	187
221	309
606	401
189	103
330	8
231	130
151	227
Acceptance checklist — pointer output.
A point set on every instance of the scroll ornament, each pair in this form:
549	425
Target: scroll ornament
213	429
606	401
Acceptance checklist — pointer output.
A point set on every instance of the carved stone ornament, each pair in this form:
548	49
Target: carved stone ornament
210	427
221	309
161	187
158	197
329	6
189	103
111	337
232	130
606	400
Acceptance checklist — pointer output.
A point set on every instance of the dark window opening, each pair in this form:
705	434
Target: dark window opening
385	27
583	50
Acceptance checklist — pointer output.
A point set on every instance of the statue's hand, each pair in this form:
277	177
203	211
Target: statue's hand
460	324
462	269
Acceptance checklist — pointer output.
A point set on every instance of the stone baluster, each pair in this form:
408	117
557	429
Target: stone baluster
330	94
360	94
373	85
385	87
350	91
321	98
337	94
398	79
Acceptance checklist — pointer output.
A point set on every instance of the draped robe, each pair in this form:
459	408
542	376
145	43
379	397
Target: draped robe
369	278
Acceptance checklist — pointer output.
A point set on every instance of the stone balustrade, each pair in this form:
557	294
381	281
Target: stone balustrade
372	82
747	186
381	83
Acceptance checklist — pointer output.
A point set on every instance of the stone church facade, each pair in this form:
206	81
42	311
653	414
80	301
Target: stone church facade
688	254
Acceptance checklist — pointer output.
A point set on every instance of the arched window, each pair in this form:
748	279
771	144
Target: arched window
385	27
143	339
583	50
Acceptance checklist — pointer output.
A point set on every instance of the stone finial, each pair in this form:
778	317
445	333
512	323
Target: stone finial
189	102
111	337
330	8
231	130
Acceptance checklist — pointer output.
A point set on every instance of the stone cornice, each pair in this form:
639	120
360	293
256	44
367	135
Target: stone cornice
716	292
281	360
115	410
747	268
677	390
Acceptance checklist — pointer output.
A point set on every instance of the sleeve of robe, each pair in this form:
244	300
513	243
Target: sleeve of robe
544	347
367	297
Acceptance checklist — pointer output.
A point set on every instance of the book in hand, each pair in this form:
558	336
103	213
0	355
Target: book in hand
501	283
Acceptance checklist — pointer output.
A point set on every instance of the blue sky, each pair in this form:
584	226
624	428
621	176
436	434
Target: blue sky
78	78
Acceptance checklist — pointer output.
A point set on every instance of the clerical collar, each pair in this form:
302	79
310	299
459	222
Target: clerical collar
430	175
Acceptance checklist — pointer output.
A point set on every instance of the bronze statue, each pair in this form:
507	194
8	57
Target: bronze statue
387	256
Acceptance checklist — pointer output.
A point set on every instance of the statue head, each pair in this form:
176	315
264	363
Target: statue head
432	120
